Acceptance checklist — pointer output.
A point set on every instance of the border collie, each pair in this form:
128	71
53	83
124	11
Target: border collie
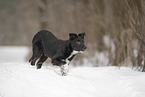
61	52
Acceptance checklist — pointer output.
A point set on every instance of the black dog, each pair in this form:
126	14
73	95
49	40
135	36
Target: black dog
61	52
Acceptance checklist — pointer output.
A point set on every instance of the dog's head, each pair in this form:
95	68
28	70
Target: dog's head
77	41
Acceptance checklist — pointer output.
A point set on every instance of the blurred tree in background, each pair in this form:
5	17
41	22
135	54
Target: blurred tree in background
113	27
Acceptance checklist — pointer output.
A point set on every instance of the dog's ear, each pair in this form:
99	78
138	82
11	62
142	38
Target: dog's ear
72	36
82	35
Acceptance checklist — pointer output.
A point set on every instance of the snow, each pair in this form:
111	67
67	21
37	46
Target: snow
20	79
13	54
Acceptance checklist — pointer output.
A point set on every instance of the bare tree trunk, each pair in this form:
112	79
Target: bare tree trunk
136	19
43	13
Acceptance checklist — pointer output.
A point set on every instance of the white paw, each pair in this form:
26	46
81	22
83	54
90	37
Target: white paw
64	69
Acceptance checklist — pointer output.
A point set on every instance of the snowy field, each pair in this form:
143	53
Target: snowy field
13	54
19	79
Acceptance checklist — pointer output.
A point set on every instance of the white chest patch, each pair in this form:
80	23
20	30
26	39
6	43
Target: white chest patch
74	52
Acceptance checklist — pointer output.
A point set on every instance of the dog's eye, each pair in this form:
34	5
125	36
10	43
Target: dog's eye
78	42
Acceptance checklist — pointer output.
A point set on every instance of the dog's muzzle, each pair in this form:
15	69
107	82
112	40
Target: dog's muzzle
84	48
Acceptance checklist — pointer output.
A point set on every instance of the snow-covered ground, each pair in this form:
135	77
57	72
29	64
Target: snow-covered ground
13	54
20	79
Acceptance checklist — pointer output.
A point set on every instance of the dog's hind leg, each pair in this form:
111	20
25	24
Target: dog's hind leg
37	53
35	57
41	60
33	62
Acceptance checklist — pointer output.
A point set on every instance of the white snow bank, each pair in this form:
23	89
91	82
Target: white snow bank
13	54
20	79
23	80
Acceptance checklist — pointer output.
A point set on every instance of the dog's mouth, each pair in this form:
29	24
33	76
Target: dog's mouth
80	50
84	48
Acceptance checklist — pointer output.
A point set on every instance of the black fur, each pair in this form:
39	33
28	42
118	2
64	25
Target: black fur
45	45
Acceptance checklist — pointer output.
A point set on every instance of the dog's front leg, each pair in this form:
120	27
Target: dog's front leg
56	59
63	64
65	68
